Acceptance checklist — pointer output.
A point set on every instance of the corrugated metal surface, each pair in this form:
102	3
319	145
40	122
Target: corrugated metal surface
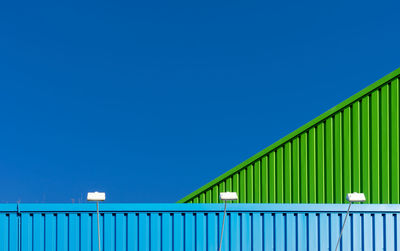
197	227
352	147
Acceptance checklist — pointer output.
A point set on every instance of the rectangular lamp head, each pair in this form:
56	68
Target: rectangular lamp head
228	196
96	196
355	197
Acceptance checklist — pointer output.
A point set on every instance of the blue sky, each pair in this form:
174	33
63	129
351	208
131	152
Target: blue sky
148	102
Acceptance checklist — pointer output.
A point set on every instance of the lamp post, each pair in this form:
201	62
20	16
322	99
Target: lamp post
351	197
225	197
97	196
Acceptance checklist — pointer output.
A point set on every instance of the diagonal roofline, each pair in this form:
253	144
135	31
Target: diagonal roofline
298	131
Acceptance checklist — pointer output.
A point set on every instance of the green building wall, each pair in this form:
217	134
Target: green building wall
353	147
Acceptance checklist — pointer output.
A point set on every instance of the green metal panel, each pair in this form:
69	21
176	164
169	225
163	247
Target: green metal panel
354	147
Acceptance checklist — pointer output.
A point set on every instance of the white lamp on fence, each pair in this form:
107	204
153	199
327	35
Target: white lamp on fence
97	196
227	196
351	197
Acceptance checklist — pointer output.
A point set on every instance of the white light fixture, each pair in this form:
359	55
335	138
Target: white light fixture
351	197
226	196
355	197
97	196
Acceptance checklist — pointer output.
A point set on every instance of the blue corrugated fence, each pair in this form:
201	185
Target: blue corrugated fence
42	227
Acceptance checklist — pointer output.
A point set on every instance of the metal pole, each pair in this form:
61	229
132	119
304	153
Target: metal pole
98	224
222	231
344	223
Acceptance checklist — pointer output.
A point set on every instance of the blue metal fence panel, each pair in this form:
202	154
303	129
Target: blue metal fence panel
145	227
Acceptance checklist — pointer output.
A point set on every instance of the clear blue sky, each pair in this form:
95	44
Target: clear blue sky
148	102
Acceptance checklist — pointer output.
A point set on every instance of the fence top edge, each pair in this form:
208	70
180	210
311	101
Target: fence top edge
130	207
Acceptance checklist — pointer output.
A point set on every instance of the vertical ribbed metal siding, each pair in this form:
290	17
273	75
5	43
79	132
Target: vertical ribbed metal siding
166	227
353	148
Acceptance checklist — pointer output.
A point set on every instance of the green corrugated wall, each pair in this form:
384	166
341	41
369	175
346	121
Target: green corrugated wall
354	147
